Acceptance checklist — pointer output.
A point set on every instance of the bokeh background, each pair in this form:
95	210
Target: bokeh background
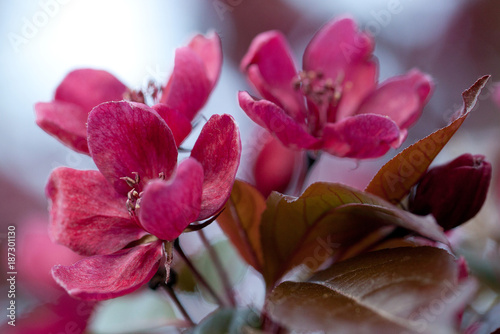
455	41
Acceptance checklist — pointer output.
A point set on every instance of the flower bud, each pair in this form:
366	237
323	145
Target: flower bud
454	192
275	166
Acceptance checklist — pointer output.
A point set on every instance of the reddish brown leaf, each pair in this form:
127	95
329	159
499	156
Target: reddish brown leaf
395	179
325	220
399	290
240	221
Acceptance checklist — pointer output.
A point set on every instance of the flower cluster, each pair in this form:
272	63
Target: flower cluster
125	215
334	104
196	71
125	218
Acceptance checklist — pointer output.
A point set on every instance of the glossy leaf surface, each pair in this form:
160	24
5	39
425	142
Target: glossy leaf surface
395	179
401	290
325	220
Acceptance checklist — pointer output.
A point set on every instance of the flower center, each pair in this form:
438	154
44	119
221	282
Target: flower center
149	95
322	91
133	196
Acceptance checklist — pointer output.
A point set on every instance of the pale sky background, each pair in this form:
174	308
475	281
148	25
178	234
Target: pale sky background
41	41
455	41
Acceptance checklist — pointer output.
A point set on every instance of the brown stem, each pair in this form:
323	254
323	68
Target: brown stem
178	303
220	269
196	273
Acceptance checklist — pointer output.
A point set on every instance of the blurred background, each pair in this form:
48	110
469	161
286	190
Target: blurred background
454	41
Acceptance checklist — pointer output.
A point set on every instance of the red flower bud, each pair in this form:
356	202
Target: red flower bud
454	192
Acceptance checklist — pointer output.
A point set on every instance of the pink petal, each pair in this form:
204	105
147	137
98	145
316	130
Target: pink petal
189	86
343	54
87	214
274	167
218	149
168	207
275	120
65	121
104	277
337	46
88	87
401	98
126	138
358	83
36	256
176	121
209	50
361	137
270	67
58	313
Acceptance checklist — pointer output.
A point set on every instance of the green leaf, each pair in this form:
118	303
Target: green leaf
134	313
399	290
232	263
186	282
395	179
325	220
228	321
485	268
240	221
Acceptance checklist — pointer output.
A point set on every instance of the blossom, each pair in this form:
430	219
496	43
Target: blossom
335	104
454	192
53	309
124	215
196	71
274	165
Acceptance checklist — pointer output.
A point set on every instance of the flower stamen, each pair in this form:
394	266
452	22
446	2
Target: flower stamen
314	85
133	196
149	95
132	182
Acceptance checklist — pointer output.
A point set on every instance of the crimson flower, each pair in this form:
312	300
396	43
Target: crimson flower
274	165
454	192
335	104
123	216
196	71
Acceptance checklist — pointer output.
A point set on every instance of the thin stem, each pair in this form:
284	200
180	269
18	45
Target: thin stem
196	273
306	162
220	269
178	303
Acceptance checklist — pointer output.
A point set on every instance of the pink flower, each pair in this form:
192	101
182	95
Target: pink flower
196	71
335	103
274	167
122	215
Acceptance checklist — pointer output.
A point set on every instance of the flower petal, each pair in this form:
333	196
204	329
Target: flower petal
189	85
126	138
209	50
358	83
218	149
88	88
87	214
104	277
275	166
275	120
401	98
270	67
343	54
176	121
168	207
361	137
65	121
